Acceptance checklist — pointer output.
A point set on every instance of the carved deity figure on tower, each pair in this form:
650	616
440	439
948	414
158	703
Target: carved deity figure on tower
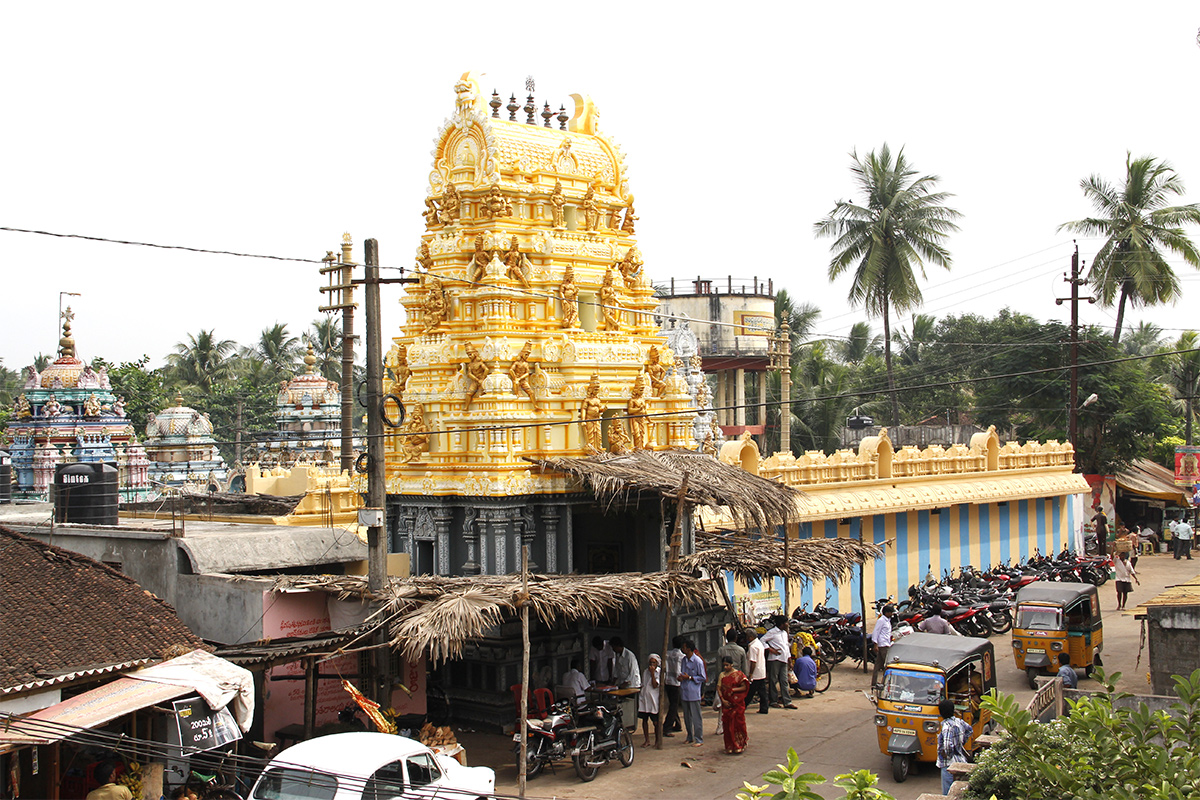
630	218
593	410
656	372
591	210
21	407
414	435
431	213
397	362
618	439
476	371
614	218
639	426
479	261
515	265
610	303
51	407
570	299
519	373
558	201
495	204
424	260
435	308
630	267
451	204
91	406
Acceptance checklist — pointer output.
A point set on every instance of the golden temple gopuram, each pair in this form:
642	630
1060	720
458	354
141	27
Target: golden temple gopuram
531	332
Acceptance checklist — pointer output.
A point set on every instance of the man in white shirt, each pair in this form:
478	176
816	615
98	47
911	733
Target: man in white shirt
575	680
1183	539
625	674
778	649
671	683
600	659
756	657
882	637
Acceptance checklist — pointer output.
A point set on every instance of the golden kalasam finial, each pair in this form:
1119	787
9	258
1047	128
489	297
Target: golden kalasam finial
66	345
310	361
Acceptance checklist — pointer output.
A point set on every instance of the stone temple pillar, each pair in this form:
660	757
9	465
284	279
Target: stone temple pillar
722	385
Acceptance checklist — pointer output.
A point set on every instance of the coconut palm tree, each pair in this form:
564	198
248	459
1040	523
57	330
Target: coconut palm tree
277	348
859	344
900	223
325	337
1137	225
911	344
1144	340
202	360
1181	374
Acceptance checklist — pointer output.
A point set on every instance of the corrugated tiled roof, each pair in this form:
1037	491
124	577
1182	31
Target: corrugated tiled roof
62	614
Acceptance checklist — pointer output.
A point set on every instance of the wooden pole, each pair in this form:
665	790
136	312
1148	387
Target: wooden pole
310	697
672	565
522	722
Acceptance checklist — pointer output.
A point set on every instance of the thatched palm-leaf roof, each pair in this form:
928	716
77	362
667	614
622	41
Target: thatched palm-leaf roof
752	501
435	617
756	560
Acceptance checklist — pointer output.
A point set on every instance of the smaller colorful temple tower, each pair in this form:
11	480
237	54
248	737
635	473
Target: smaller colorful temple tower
181	449
308	416
67	414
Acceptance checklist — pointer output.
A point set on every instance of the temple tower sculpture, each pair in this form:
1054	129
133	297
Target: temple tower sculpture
531	333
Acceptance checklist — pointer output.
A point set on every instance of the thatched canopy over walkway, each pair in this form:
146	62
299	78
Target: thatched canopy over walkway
435	617
762	559
752	501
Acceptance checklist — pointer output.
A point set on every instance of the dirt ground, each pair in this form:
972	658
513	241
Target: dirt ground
833	733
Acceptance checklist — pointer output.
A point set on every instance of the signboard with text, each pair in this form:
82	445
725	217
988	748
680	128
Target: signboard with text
201	728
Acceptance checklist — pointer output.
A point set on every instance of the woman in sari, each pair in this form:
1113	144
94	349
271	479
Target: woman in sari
733	687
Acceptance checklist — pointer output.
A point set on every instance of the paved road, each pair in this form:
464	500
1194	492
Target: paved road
833	733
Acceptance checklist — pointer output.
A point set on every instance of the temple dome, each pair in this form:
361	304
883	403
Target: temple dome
65	368
309	383
178	420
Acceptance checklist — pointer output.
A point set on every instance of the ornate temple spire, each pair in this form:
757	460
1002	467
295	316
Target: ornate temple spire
310	361
66	345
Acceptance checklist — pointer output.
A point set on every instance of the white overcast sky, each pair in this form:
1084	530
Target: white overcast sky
273	127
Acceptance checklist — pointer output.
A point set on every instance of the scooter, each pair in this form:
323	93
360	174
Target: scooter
604	740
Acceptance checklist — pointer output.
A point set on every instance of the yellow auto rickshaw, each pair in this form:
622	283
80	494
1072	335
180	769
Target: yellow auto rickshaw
922	670
1054	618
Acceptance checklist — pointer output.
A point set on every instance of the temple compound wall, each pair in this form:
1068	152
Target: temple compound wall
933	509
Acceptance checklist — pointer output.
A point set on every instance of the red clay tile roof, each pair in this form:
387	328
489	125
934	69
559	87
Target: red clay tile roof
62	612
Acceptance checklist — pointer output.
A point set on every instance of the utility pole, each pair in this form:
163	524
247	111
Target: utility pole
343	291
781	359
1073	402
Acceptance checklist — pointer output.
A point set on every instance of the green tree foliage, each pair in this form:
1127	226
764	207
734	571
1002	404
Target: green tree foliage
1137	226
1180	373
325	337
244	406
201	361
145	390
900	222
1106	747
277	349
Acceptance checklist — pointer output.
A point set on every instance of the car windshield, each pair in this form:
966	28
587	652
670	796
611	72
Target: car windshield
1039	618
910	686
290	783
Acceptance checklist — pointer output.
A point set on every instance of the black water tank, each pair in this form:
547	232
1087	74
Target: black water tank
858	422
86	494
5	478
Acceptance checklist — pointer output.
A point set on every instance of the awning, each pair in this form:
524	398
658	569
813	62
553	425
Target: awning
88	710
219	682
1148	479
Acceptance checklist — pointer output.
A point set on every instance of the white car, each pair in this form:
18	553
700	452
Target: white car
368	766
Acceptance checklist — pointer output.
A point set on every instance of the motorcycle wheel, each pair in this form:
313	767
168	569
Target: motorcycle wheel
986	629
581	760
624	748
900	765
824	675
534	763
1003	620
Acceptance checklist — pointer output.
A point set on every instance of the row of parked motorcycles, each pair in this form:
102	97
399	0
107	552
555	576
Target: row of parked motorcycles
974	602
590	735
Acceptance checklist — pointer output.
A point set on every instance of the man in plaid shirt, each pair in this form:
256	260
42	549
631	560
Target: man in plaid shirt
952	742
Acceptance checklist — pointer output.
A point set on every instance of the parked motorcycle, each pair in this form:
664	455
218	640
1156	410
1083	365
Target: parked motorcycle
603	738
547	740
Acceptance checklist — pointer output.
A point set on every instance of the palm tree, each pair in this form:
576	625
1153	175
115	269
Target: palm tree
277	349
859	344
801	319
1144	340
911	344
325	337
1181	374
901	222
1137	224
201	360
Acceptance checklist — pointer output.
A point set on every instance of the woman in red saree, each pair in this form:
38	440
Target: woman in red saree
733	686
